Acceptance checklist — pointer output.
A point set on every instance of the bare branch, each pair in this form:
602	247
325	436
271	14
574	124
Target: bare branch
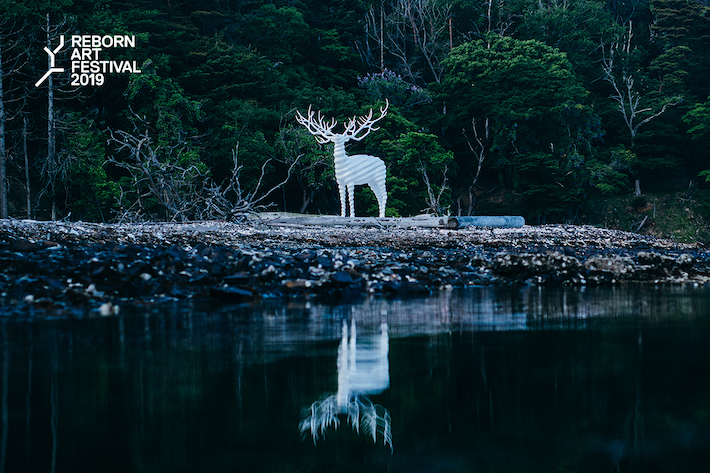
432	200
626	95
426	22
184	192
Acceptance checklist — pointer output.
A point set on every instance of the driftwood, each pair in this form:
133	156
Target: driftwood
403	222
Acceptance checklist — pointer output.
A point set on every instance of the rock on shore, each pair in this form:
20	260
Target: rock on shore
55	267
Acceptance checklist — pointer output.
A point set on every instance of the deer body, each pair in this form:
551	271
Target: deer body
350	171
359	169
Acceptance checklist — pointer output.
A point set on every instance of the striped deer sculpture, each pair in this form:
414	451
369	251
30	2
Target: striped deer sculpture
358	169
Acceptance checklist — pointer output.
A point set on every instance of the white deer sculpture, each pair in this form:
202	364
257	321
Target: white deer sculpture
351	171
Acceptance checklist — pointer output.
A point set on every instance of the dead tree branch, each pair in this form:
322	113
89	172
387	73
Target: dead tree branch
433	199
182	192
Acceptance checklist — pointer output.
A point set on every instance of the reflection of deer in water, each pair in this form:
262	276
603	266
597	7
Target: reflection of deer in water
362	370
351	171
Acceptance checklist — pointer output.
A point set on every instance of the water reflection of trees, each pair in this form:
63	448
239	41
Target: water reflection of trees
185	388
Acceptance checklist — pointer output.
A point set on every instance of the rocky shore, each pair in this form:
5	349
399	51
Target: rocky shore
80	268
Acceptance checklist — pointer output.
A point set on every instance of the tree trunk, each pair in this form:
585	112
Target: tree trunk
51	133
382	36
471	202
27	166
637	187
3	150
307	198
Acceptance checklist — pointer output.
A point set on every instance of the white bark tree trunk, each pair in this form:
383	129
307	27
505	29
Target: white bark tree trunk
27	166
51	133
3	150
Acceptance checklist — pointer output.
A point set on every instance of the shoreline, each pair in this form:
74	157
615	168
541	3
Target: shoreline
77	268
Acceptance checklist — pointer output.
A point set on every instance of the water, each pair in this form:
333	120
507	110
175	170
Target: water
488	379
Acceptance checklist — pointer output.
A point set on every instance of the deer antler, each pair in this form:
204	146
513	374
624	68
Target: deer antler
323	131
364	125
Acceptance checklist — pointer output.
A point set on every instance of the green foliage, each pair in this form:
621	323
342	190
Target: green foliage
163	106
510	80
34	9
219	76
609	175
390	85
668	215
667	67
539	122
311	165
161	152
428	167
276	30
682	28
702	198
698	118
255	153
91	194
605	178
574	28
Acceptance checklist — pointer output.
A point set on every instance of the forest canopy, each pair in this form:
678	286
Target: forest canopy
542	105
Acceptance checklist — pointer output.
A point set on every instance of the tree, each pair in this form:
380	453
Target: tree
10	57
479	151
391	86
627	96
620	67
3	150
312	165
420	154
574	27
53	168
160	152
538	122
24	25
680	30
26	156
417	34
91	195
699	120
480	19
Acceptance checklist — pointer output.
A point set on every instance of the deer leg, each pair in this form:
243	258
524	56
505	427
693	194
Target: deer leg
379	188
382	201
341	188
351	196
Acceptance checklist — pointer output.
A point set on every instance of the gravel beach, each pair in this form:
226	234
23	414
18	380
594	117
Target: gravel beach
78	268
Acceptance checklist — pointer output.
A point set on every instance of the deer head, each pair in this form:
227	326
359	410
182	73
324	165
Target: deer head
356	128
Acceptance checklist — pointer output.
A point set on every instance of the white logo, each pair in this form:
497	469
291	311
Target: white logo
52	59
87	65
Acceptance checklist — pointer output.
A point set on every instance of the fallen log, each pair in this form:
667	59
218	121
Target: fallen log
485	221
399	222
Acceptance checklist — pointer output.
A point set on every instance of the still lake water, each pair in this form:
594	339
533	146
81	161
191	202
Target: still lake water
486	379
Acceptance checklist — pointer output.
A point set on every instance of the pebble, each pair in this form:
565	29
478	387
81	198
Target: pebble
101	267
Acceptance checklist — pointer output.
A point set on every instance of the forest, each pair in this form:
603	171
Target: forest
531	107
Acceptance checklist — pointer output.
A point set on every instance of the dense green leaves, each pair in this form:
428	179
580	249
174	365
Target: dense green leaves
510	96
429	167
509	79
699	119
535	104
